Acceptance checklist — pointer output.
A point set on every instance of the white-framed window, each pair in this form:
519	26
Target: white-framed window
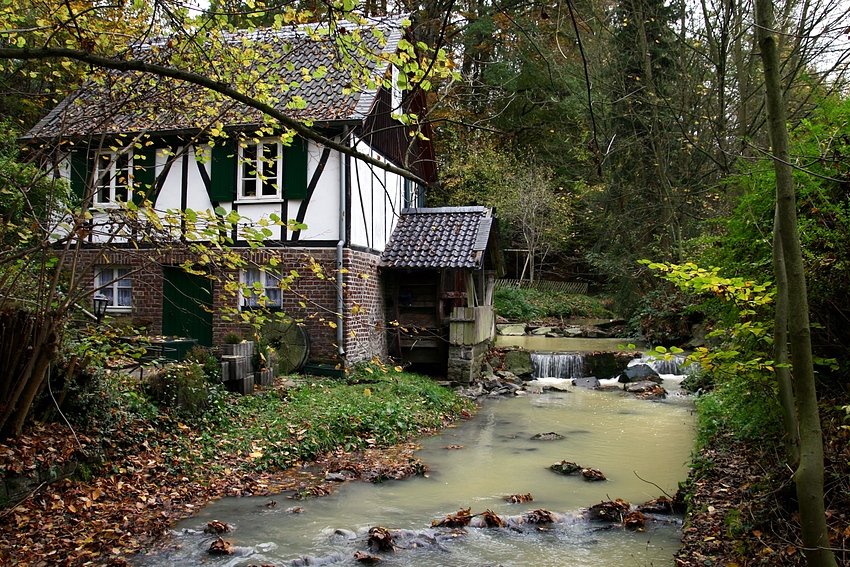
262	288
261	169
116	285
114	180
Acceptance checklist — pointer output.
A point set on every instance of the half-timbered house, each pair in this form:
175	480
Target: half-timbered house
146	145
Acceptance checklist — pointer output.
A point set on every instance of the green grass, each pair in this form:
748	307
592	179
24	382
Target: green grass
273	429
530	305
298	425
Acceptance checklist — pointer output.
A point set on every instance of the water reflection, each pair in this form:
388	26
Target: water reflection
628	439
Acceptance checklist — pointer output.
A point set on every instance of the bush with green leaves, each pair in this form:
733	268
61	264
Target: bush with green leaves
744	398
183	388
202	356
513	304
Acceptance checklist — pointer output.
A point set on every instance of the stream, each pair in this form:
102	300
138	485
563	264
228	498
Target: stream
493	456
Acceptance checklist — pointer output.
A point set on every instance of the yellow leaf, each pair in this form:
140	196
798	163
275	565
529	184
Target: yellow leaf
255	454
398	368
367	392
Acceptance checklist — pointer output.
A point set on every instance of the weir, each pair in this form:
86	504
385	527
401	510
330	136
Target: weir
573	364
557	364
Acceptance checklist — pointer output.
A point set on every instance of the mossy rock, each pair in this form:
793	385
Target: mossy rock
518	362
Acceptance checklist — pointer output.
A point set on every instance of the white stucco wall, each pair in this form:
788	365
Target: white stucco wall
376	197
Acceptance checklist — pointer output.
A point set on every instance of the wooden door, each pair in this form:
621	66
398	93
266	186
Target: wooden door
187	305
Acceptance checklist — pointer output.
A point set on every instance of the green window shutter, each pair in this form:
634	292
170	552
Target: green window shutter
223	173
295	170
144	174
80	172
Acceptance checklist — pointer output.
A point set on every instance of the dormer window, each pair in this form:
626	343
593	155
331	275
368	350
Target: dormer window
261	168
114	182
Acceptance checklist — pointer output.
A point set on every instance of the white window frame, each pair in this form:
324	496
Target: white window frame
395	92
113	177
111	282
260	182
272	292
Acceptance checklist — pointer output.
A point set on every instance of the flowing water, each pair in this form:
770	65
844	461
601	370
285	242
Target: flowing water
642	447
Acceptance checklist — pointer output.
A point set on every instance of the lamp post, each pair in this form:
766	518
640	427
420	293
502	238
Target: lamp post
100	303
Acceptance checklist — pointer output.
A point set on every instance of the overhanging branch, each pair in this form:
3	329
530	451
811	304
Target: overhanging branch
207	83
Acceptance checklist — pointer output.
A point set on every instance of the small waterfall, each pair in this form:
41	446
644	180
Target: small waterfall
663	365
557	365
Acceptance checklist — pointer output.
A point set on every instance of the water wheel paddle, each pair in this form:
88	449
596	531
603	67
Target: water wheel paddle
291	342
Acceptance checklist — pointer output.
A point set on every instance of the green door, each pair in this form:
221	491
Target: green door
187	305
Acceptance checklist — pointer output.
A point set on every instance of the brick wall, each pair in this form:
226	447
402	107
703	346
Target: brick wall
312	298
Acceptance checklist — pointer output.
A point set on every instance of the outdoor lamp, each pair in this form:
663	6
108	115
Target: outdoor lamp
100	302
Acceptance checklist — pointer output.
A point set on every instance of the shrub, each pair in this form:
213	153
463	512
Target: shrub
181	387
513	304
747	406
210	364
106	398
564	305
665	316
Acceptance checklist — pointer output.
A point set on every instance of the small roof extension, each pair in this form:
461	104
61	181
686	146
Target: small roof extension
443	237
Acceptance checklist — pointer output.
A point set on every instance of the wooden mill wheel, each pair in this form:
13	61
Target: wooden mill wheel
291	342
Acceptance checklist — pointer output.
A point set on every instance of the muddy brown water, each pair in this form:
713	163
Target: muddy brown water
642	447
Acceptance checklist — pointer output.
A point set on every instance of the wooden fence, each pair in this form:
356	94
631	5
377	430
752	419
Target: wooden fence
544	285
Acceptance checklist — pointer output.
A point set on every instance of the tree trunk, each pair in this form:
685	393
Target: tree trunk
809	474
22	376
780	353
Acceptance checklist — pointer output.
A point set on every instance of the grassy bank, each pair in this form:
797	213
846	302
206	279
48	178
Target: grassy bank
532	305
144	464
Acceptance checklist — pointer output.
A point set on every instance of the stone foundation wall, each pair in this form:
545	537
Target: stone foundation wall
465	362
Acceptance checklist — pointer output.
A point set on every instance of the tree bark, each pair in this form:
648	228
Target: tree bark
809	474
780	353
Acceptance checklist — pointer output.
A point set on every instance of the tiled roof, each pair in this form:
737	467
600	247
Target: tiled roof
156	104
445	237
